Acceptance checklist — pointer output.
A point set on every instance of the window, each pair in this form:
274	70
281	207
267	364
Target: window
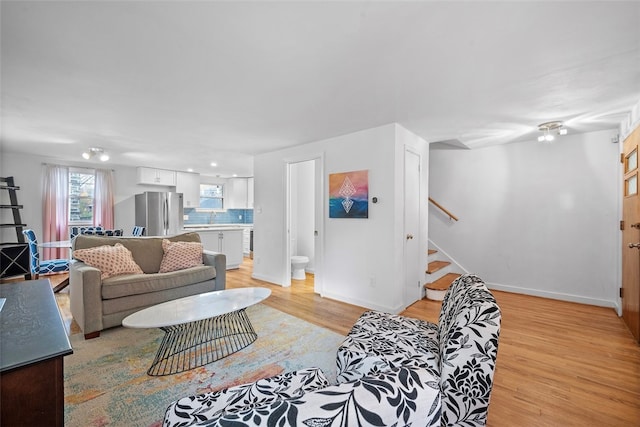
211	196
81	196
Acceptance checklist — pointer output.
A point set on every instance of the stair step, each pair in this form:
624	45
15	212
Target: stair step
442	283
436	265
436	290
431	251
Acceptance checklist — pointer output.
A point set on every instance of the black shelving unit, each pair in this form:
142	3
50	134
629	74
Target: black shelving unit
14	256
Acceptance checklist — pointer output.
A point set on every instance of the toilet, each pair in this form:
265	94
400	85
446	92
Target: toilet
298	263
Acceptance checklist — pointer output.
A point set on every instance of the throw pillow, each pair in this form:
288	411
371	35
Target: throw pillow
180	255
110	260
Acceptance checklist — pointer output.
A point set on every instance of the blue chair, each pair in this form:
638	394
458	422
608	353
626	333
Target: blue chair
42	267
103	232
75	230
138	231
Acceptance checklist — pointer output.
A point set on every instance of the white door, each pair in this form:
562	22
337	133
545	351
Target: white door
412	268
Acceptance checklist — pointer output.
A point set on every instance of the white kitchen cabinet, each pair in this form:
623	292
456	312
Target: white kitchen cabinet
188	184
228	242
250	193
246	240
239	193
235	196
156	176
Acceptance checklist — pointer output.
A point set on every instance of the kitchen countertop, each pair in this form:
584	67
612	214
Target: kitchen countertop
213	227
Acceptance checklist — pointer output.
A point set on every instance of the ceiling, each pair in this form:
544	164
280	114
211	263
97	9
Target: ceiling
181	84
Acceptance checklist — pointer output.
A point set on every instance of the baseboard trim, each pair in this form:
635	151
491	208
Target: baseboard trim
269	279
366	304
553	295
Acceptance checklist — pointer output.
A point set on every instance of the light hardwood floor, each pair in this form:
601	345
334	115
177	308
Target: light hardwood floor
559	363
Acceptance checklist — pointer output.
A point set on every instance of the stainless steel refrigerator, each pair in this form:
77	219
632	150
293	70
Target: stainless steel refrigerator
160	212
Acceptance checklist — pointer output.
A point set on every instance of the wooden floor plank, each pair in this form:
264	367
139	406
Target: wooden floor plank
559	363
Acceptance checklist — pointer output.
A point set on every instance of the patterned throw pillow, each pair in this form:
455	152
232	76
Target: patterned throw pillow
110	260
180	255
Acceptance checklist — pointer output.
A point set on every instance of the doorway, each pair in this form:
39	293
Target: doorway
304	217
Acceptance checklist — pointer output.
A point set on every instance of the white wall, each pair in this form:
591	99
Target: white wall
540	219
360	260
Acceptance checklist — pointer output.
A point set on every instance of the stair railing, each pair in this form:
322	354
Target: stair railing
443	209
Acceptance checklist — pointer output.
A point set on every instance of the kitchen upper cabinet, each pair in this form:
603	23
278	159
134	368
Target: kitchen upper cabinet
236	193
250	193
156	176
189	185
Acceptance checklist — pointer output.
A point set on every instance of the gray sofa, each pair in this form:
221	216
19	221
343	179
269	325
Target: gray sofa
98	304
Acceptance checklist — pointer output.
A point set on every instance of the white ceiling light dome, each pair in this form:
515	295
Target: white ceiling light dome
95	152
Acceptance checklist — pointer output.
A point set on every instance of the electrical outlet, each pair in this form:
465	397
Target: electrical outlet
372	282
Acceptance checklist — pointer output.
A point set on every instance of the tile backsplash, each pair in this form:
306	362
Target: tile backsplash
230	216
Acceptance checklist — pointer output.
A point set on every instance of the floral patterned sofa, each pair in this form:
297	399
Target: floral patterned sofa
400	396
460	350
392	370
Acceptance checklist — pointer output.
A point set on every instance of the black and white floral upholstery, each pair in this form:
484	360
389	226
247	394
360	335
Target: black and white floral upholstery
468	330
210	406
381	341
398	397
461	350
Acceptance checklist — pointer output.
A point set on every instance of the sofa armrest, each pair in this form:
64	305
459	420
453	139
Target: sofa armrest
219	261
402	396
85	296
210	406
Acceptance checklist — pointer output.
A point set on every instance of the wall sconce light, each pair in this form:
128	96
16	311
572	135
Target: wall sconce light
95	151
549	128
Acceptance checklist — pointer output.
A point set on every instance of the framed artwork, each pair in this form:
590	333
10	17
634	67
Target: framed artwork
349	194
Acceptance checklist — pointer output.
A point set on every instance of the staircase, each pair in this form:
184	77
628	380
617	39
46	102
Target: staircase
439	276
440	272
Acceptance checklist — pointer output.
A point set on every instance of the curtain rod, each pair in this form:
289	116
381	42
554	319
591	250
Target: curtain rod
76	167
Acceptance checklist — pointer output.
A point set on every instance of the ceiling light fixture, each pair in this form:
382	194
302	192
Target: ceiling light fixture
549	128
95	151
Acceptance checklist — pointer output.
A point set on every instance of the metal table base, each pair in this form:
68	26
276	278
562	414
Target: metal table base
190	345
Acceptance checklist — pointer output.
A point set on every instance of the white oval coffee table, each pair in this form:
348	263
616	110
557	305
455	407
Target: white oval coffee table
199	329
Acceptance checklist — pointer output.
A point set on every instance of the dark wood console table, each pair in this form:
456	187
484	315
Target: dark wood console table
33	342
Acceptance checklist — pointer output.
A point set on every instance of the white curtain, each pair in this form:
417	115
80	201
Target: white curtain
55	209
104	195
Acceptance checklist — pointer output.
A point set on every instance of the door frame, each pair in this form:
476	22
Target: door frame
319	189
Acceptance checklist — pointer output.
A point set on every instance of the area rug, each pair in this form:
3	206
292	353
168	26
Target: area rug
106	384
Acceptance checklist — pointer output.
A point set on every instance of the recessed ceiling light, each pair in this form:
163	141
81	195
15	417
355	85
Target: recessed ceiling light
235	174
190	170
214	164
